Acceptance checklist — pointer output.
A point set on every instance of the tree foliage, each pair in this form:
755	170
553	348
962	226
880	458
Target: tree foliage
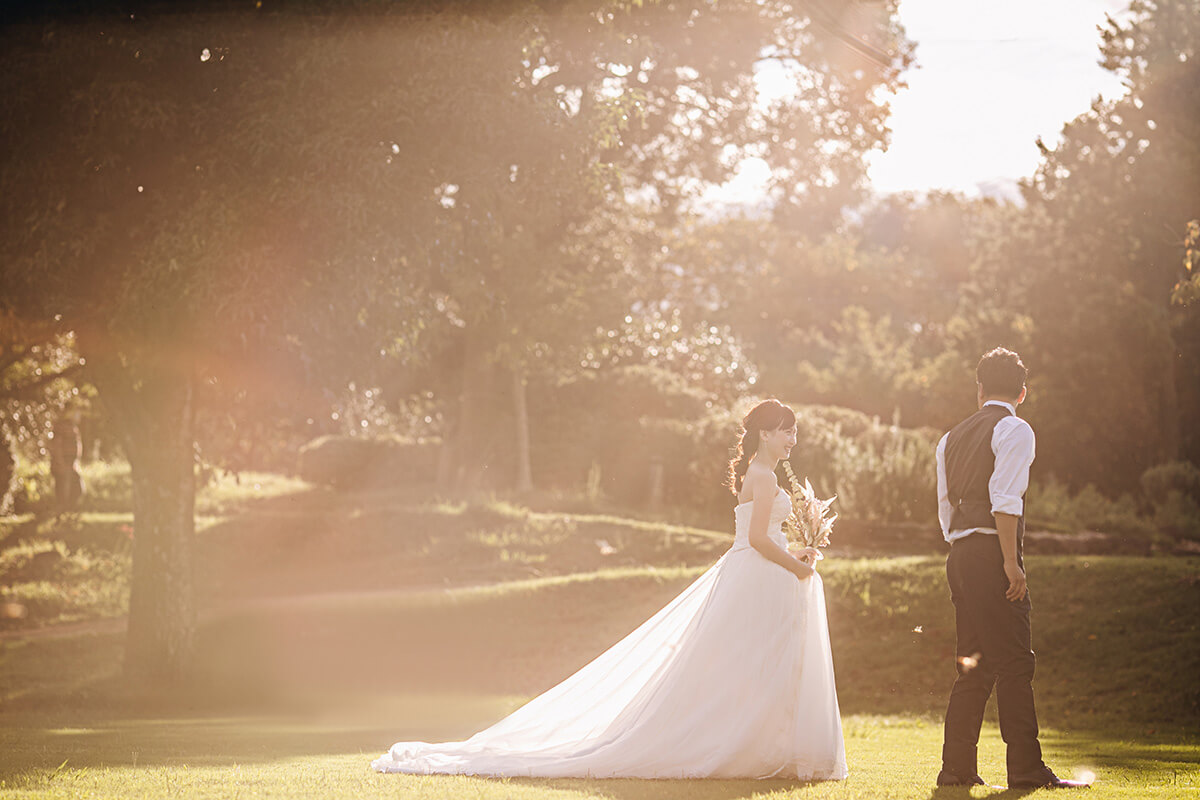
1084	279
239	214
39	368
1110	205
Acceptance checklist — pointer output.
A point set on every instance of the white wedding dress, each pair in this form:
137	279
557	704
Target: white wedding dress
732	679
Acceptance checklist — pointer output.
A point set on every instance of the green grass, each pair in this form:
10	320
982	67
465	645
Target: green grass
332	680
335	624
890	757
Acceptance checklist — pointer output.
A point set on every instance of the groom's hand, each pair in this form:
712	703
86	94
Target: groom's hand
1016	581
1006	531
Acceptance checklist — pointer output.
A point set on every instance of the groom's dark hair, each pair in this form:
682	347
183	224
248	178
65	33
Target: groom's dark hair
1001	373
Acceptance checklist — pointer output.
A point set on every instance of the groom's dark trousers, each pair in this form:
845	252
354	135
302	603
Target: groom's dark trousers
983	465
993	650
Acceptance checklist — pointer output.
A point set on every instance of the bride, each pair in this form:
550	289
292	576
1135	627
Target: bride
732	679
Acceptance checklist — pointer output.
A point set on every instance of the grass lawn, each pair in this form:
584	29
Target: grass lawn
391	617
230	757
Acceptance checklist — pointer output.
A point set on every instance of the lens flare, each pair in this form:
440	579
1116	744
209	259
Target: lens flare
11	609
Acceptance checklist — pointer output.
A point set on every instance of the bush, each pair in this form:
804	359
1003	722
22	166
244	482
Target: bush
1173	490
1180	477
695	455
108	486
883	472
1050	504
345	462
849	422
8	474
602	430
612	426
1178	515
32	487
600	420
879	472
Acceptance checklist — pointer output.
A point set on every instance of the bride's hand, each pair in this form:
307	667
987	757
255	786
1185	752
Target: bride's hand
803	569
810	555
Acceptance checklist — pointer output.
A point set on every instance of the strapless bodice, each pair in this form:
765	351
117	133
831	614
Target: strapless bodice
780	508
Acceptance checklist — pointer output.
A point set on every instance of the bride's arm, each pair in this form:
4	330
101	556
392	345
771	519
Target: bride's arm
764	489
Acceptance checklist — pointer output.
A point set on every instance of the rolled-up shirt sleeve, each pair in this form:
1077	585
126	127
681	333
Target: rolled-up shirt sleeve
1014	445
945	509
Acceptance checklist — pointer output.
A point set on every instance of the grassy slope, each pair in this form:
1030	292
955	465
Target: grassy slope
297	693
274	536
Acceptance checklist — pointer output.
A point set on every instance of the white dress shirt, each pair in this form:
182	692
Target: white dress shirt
1013	445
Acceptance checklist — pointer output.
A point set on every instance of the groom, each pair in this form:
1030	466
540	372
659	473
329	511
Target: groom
982	474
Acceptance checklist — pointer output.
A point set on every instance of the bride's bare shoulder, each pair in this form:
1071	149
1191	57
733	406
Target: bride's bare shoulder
759	482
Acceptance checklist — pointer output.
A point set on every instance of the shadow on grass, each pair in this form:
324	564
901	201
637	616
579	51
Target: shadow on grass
31	754
646	789
1173	751
85	743
964	793
892	649
1167	758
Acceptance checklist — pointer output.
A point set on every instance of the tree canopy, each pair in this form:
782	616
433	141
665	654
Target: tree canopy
251	208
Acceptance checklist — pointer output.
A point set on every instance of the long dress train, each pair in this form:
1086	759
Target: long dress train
732	678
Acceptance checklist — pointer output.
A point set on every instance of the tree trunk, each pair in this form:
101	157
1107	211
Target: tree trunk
1170	411
8	472
155	416
656	483
65	450
521	411
474	436
445	460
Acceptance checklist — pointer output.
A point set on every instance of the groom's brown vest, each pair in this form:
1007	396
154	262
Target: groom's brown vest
969	466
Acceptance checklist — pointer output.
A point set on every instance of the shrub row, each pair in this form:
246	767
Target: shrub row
354	462
633	421
619	432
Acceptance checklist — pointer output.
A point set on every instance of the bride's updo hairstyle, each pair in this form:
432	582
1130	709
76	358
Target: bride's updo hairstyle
769	415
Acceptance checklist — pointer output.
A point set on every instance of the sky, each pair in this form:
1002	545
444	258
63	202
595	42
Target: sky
989	79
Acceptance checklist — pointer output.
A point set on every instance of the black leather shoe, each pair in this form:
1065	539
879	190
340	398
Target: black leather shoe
1046	779
945	778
